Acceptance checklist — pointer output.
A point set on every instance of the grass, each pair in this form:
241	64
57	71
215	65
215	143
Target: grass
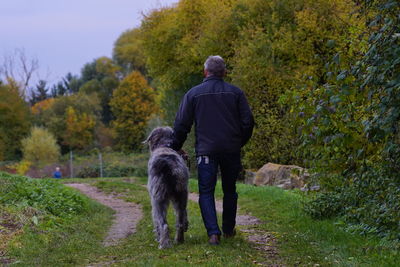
44	223
141	249
69	244
302	241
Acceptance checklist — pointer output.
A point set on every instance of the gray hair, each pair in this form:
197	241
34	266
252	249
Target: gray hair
215	65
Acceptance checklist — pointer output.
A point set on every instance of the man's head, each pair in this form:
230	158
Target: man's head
214	66
57	169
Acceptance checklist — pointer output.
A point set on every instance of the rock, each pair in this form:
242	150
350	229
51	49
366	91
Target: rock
283	176
309	187
249	176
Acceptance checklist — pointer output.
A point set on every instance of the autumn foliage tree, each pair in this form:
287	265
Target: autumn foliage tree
54	116
132	104
14	122
79	130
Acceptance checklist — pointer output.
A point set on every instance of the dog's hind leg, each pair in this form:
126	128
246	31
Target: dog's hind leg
159	211
182	224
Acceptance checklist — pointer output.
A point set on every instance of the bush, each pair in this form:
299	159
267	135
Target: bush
40	147
326	205
373	205
46	195
91	171
114	165
23	167
114	170
111	170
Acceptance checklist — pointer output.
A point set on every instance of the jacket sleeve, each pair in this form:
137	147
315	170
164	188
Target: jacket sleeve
246	119
183	123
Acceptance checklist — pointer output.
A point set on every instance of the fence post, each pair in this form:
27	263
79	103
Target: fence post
71	167
101	165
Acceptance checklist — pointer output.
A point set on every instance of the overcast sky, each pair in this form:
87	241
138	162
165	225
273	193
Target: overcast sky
65	34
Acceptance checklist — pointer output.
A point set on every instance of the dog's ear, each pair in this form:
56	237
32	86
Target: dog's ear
146	141
151	135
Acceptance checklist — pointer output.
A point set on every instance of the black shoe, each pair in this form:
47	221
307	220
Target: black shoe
214	240
230	235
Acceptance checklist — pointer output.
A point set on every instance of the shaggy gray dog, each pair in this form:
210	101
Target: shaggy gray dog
168	181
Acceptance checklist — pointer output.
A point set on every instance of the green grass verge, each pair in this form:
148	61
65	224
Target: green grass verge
302	241
48	224
69	244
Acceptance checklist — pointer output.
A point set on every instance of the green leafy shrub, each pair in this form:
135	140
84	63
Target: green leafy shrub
114	165
89	171
111	170
325	206
40	147
120	171
46	195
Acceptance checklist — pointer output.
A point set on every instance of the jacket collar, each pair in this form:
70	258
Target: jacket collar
212	78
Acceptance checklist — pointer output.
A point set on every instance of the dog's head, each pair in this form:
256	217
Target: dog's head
159	137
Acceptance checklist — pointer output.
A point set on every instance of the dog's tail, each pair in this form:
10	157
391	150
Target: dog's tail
164	168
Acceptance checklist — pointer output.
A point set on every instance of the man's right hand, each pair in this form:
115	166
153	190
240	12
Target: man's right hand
185	156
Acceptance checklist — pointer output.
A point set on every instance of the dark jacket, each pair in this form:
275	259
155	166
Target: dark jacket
223	119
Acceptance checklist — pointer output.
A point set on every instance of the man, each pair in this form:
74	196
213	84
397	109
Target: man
223	124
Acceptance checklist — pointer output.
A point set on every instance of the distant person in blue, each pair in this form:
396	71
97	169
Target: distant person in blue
57	173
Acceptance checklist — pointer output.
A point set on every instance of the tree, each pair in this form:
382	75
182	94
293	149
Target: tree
14	122
100	68
79	130
39	93
68	85
42	106
101	76
54	116
72	83
40	147
128	51
39	111
133	103
17	69
59	89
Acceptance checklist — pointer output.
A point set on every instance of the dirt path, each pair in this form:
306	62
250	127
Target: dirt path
261	239
127	214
